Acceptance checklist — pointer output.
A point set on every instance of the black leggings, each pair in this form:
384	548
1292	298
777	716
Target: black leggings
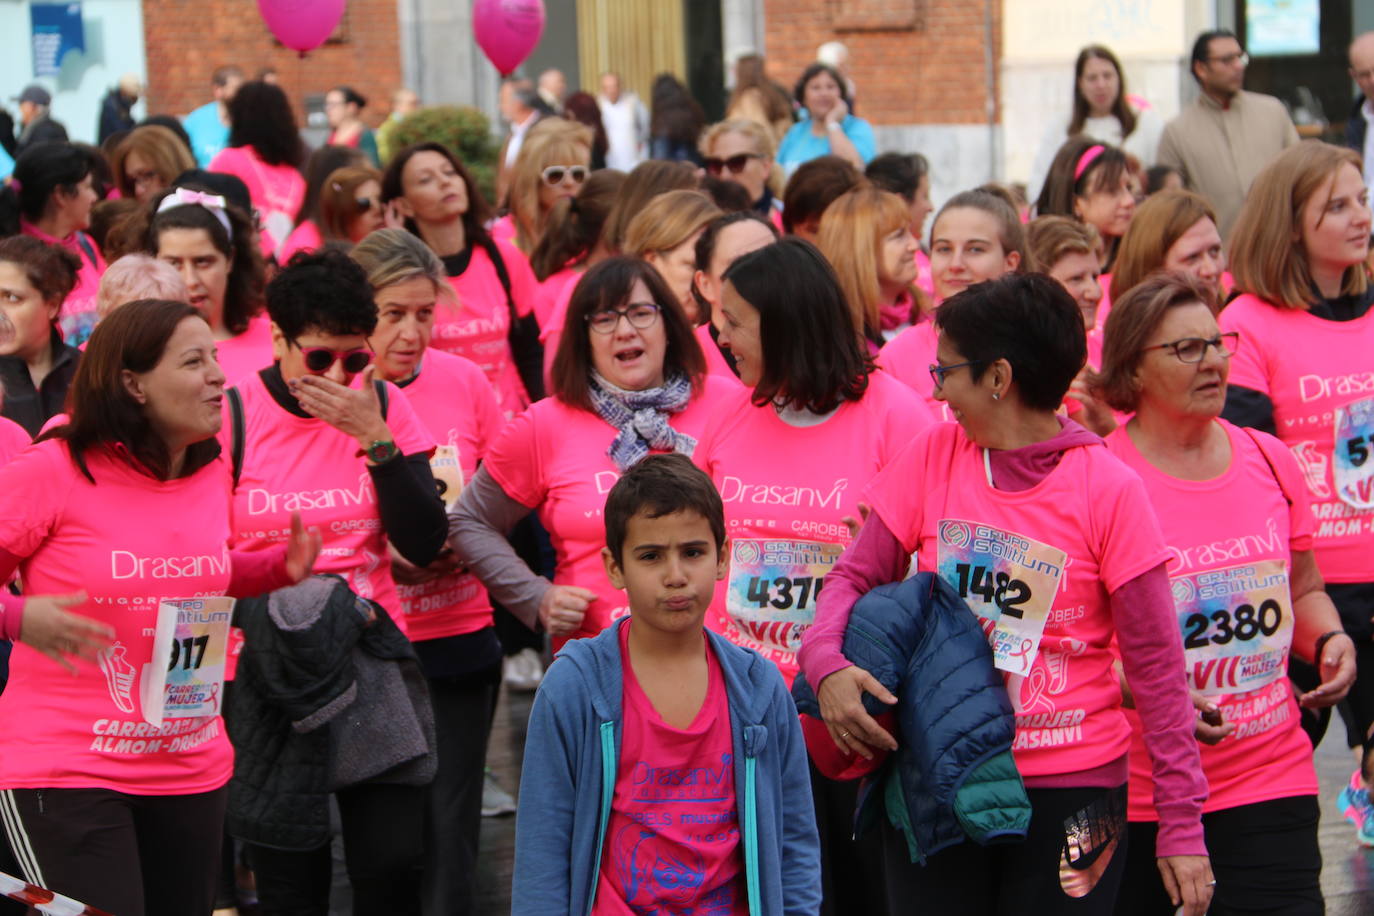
1265	858
851	869
132	855
1076	845
383	835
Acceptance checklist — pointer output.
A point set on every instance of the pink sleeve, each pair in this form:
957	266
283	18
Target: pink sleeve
256	572
11	606
1248	367
411	436
874	558
524	288
33	488
513	461
1152	654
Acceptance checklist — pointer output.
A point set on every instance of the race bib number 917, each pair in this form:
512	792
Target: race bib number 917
1237	626
193	636
774	585
1008	580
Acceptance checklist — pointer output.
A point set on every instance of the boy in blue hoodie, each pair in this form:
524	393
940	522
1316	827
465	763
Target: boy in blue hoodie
664	771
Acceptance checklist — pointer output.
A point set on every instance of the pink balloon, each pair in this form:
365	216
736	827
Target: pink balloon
302	25
507	30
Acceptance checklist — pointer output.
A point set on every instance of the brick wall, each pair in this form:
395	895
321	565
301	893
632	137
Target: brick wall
932	73
187	39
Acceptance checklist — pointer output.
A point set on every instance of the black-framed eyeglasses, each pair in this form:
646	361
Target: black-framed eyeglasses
938	372
735	163
1194	349
554	174
640	315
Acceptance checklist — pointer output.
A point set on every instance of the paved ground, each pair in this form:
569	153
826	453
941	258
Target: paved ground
1347	878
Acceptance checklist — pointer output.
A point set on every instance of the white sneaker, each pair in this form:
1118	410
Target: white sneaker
523	671
496	801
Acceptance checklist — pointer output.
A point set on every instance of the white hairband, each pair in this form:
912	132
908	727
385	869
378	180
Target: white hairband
185	197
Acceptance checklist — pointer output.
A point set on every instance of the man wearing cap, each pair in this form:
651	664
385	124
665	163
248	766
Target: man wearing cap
37	126
116	112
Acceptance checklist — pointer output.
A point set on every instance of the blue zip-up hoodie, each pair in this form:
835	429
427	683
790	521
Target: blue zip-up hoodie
572	752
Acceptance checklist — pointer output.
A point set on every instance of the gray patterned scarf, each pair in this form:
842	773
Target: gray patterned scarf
642	418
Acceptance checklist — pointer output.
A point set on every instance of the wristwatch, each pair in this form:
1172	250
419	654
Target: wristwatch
833	125
381	451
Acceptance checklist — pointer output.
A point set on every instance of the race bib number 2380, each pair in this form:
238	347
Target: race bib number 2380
1008	580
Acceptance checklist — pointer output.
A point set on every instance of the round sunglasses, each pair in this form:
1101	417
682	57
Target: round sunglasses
554	174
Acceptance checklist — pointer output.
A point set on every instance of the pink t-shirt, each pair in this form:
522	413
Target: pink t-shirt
300	464
907	358
276	191
1054	553
245	354
454	402
786	491
1232	537
553	458
716	366
1314	370
503	228
672	839
130	541
478	327
78	316
925	280
13	439
305	237
553	297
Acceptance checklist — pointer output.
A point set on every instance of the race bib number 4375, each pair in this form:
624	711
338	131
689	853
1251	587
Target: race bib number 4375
773	587
1237	626
1008	580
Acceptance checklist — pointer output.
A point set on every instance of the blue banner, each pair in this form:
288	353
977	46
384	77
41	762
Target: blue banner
57	29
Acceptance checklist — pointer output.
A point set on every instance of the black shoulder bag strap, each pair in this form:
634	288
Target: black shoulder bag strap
523	334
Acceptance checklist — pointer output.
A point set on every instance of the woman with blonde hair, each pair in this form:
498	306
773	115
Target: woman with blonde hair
1171	230
664	235
148	161
741	150
554	161
1298	253
866	236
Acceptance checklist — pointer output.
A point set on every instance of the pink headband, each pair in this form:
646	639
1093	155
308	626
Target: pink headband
1088	158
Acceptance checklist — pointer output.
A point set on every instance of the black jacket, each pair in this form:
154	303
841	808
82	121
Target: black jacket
31	407
1356	126
116	114
323	699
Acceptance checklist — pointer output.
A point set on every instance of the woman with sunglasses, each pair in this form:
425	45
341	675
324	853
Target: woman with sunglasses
1052	543
353	460
350	208
630	381
742	151
1304	315
1241	610
494	326
791	451
447	610
323	162
554	160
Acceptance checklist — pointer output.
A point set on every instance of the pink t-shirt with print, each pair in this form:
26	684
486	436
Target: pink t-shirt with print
77	318
478	326
129	541
787	490
277	191
454	402
244	355
553	458
300	464
1081	533
1312	369
1224	534
673	843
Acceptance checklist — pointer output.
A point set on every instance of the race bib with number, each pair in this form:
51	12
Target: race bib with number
448	474
193	635
1353	469
773	588
1237	626
1008	580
